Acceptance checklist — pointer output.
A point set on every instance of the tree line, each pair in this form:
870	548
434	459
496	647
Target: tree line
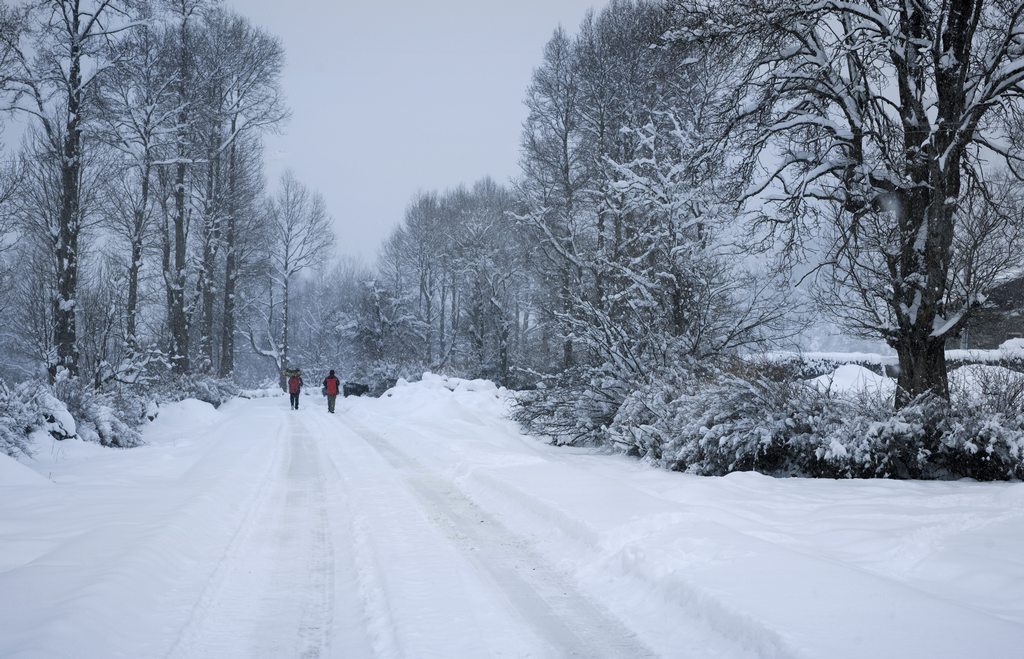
137	237
696	178
683	160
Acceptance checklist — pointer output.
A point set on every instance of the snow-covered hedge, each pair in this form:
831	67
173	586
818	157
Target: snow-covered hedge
215	391
573	407
29	408
102	417
806	365
714	426
72	407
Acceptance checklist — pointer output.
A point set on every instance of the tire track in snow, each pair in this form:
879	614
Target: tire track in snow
362	625
271	592
186	638
544	597
709	617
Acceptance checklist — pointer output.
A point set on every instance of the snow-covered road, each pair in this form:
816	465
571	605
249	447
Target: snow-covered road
424	525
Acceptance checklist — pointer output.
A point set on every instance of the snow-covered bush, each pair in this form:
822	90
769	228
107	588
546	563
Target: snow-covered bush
208	389
730	423
745	421
804	366
105	418
29	408
574	407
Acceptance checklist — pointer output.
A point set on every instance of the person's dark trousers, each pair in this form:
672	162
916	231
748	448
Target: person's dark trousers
295	401
330	402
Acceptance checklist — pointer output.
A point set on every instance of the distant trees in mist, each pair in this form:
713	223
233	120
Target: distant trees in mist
678	160
612	256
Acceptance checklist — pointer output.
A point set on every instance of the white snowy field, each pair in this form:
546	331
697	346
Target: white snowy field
423	524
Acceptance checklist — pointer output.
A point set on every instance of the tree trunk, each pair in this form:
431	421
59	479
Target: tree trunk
176	279
227	349
211	243
503	351
65	331
132	311
442	350
567	349
922	370
138	235
427	294
284	323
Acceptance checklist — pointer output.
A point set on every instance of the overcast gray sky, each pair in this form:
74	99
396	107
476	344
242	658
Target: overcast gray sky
394	96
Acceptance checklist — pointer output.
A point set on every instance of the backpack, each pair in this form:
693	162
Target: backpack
331	386
293	384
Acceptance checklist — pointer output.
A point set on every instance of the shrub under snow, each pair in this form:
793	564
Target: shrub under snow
724	422
104	418
72	407
210	390
27	409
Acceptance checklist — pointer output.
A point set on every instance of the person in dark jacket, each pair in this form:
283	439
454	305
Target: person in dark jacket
294	389
331	386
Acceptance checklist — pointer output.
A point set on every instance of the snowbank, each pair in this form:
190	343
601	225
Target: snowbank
181	420
1010	350
446	395
15	474
851	379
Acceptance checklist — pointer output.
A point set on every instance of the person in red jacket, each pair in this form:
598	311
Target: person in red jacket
331	386
294	389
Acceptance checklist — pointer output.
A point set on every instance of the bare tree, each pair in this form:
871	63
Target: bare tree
55	52
252	103
138	112
183	57
301	238
556	168
878	120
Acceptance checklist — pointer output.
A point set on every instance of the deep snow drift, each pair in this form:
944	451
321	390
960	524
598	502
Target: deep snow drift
424	524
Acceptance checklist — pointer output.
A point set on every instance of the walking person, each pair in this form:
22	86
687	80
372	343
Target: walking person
331	387
294	389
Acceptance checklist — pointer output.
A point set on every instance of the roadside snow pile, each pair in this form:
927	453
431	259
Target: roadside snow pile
851	379
1009	351
432	383
269	391
446	399
211	390
33	412
807	365
181	420
1012	346
13	473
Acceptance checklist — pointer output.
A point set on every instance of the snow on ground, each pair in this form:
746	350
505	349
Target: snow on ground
423	524
13	473
1011	349
854	379
975	383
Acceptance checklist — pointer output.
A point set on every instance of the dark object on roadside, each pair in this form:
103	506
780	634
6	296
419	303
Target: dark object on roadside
355	389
